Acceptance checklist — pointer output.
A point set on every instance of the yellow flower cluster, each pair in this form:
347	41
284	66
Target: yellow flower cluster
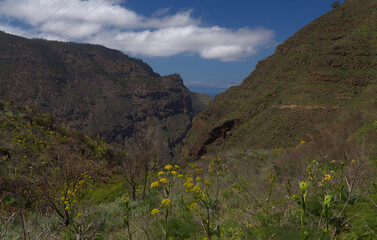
188	184
310	170
166	202
193	206
169	167
155	211
163	180
155	185
327	177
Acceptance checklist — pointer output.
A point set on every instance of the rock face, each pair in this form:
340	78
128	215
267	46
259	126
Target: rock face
97	90
324	70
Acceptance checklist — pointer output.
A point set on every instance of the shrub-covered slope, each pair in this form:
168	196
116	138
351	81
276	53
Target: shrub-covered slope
96	90
321	71
199	101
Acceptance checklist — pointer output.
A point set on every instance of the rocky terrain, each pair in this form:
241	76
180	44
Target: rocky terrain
315	77
98	91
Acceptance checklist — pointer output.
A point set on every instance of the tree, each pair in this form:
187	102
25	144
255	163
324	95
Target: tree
139	165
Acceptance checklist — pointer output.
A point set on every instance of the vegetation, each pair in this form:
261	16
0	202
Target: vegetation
289	154
57	183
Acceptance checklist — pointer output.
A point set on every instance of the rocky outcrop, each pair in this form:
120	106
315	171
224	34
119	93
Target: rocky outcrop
97	90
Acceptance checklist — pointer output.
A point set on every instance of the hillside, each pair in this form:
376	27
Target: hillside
96	90
57	183
326	69
199	101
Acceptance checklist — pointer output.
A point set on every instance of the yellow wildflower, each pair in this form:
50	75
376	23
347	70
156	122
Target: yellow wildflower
181	176
163	180
155	185
79	214
302	142
188	186
166	202
161	173
155	211
197	179
174	172
193	206
176	166
66	208
327	177
196	189
169	167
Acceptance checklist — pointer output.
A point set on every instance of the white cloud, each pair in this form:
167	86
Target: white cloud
212	43
110	24
161	12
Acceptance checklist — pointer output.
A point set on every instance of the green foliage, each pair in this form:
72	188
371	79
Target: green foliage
182	228
106	193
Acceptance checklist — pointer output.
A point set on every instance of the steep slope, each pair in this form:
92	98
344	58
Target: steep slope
323	70
96	90
199	101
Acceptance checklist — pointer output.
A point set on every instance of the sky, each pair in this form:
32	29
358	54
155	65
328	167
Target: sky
211	44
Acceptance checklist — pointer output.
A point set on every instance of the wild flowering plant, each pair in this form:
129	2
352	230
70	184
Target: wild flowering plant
164	185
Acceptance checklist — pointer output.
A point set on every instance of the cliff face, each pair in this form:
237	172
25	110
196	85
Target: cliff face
97	90
325	69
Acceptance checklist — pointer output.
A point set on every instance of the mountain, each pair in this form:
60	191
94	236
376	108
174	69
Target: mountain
97	90
324	71
199	101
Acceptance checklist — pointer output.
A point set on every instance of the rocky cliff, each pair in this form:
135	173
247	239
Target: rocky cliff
97	90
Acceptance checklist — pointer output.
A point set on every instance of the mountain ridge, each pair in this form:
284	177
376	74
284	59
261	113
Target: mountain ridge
314	76
97	90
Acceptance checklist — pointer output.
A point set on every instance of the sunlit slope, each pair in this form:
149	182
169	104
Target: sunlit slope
320	72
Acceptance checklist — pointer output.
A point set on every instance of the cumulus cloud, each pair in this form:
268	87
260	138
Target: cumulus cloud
110	24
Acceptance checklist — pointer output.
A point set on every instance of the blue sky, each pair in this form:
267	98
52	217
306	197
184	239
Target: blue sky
211	44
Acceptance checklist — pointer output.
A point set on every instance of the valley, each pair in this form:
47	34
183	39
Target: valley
96	145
